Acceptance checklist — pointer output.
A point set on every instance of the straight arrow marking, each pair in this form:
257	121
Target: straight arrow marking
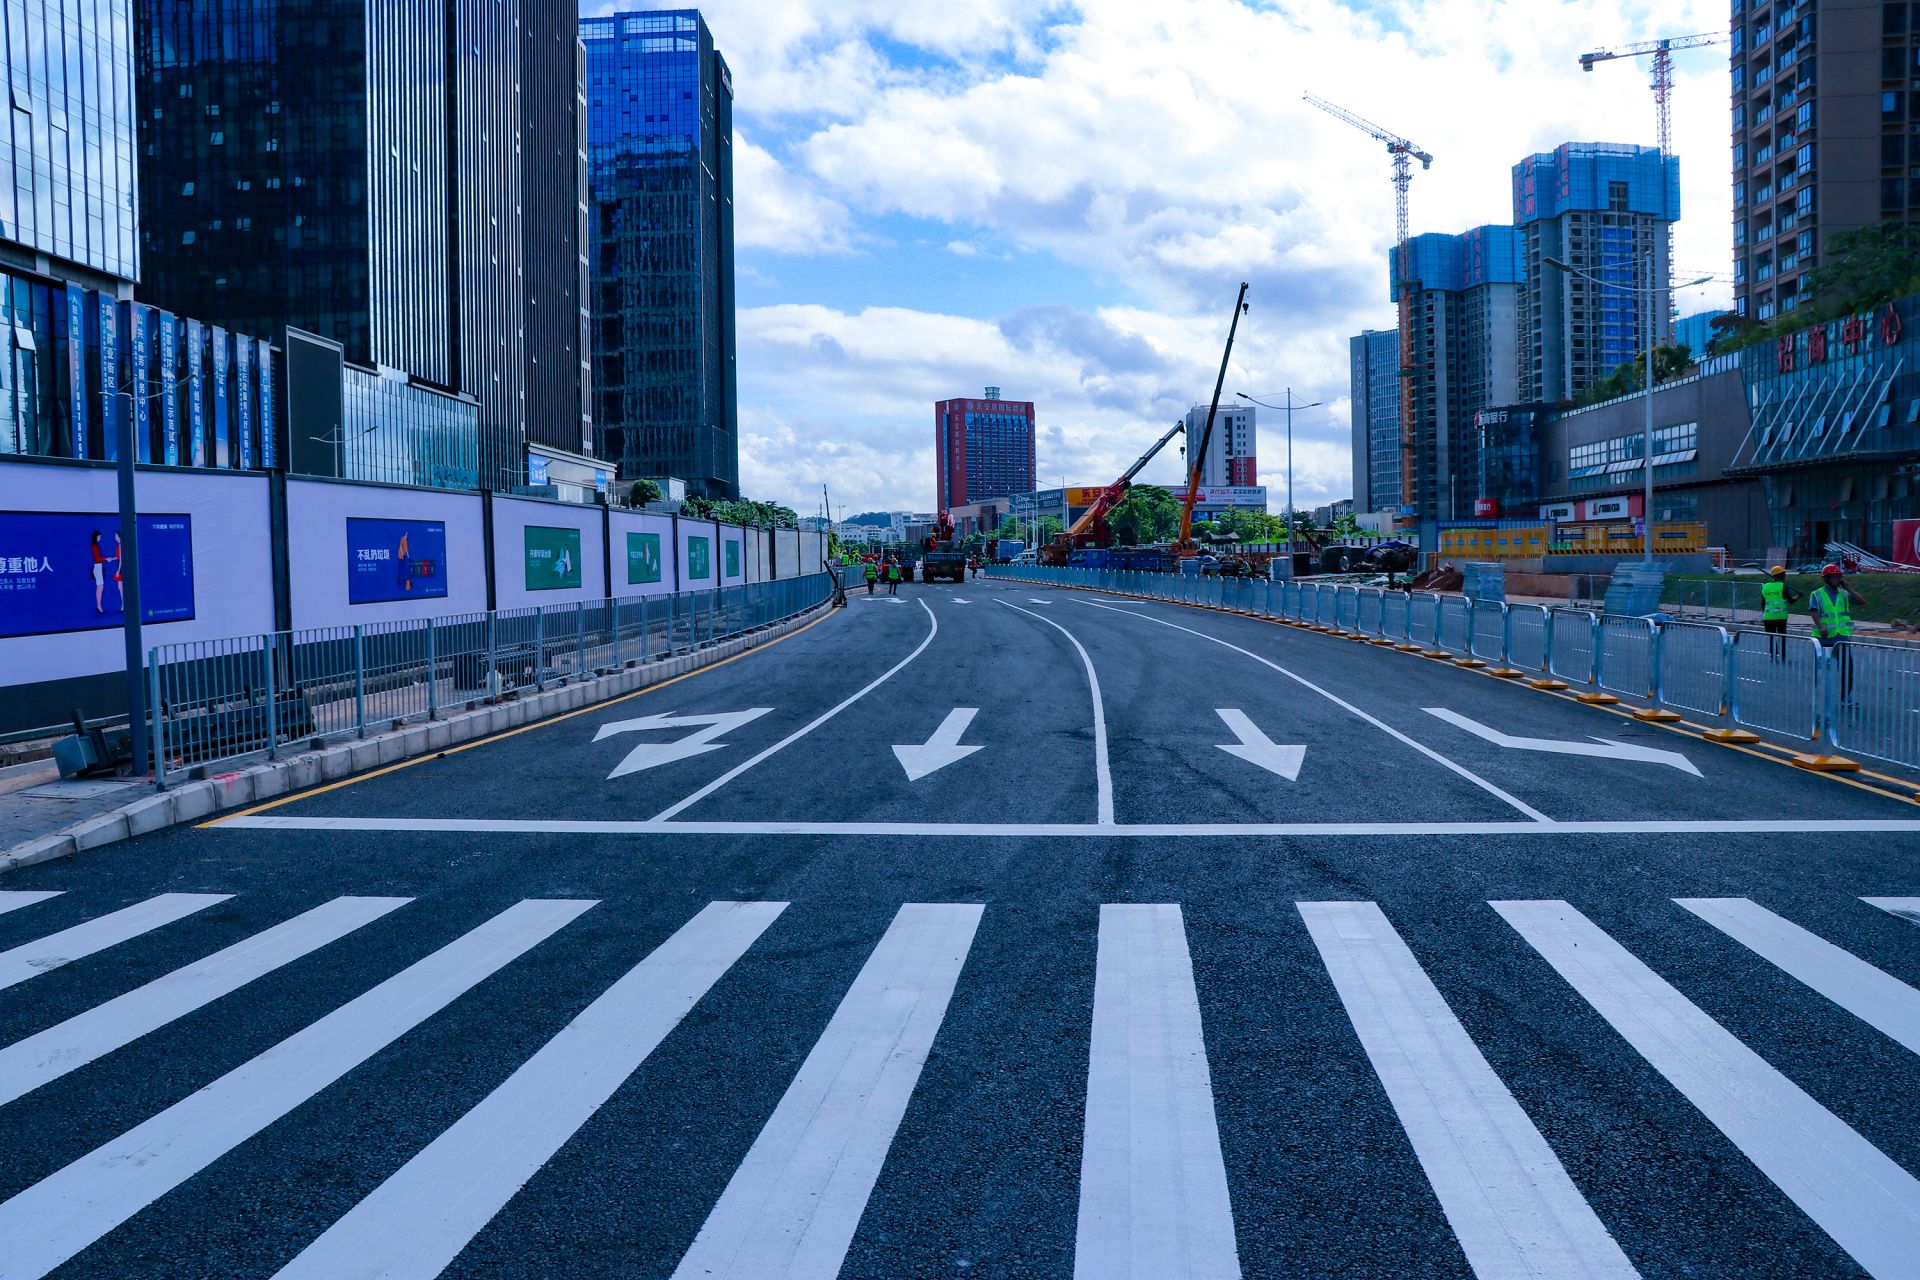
942	749
649	755
1257	749
1599	747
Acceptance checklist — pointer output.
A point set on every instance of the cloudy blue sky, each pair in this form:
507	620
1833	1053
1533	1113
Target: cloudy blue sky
1060	199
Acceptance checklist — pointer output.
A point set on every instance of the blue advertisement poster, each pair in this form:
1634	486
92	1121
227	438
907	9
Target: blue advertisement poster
196	354
395	560
223	453
60	571
77	368
169	333
243	398
264	353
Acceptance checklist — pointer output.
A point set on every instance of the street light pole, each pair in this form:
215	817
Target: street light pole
1290	406
129	572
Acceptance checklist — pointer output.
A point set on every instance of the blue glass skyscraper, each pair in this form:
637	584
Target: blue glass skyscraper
660	248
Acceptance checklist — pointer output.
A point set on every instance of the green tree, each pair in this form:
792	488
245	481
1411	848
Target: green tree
1149	513
644	491
1669	362
1866	268
1347	526
696	506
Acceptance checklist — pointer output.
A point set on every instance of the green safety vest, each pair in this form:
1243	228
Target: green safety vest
1773	595
872	573
1834	609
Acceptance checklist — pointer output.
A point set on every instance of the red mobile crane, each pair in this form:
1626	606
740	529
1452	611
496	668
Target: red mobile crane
1184	546
1091	529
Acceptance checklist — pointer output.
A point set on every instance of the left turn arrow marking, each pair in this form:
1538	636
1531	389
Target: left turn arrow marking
649	755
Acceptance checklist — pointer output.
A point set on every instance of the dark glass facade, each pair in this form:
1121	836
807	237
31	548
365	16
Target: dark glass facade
352	168
660	248
67	143
400	433
552	113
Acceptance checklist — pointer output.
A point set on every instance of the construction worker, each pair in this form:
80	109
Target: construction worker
1775	596
973	565
1832	607
893	577
873	575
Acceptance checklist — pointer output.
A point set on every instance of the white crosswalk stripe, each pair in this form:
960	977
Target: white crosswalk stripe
28	1064
1510	1202
793	1204
30	959
55	1218
1153	1187
1866	1202
420	1218
1882	1001
14	899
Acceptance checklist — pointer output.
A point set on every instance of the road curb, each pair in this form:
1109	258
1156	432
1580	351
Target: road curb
205	797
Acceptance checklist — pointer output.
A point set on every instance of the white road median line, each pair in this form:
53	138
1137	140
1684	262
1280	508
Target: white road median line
1905	908
60	1215
27	1064
1882	1001
1102	770
1506	1195
1133	830
14	899
1851	1190
30	959
933	629
1153	1185
1344	705
418	1220
792	1206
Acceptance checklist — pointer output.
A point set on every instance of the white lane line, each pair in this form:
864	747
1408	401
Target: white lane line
1102	771
933	629
1153	1186
37	957
14	899
1851	1190
1344	705
1142	830
792	1206
1506	1195
1905	908
60	1215
1882	1001
418	1220
27	1064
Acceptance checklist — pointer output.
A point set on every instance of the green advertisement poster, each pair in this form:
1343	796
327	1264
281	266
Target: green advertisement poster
699	559
643	557
733	559
553	558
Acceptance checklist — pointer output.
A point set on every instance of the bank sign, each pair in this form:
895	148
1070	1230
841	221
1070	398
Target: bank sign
61	571
396	560
552	558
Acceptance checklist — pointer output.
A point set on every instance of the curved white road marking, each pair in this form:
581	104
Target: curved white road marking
1344	705
933	629
1102	771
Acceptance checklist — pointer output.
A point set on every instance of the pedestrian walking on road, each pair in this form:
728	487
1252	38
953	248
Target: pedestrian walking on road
1775	596
1832	608
873	575
973	566
893	577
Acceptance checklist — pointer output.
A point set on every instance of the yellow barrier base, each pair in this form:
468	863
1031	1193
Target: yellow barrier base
1736	737
1436	653
1546	682
1826	764
1656	715
1384	643
1596	699
1506	673
1407	648
1473	663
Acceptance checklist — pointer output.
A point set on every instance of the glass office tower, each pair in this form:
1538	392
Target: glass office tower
660	248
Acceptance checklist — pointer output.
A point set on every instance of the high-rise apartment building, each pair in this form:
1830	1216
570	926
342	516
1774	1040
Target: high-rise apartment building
660	248
982	449
1825	97
1606	210
1232	450
1374	393
357	169
1465	358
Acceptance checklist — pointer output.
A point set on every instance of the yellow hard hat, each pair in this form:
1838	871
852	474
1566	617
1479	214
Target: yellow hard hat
1779	568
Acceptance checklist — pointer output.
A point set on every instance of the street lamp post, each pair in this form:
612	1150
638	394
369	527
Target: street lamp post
1650	292
1289	406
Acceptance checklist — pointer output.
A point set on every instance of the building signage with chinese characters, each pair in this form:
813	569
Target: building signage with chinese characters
169	333
77	369
1851	335
110	376
141	405
395	560
243	398
263	350
60	571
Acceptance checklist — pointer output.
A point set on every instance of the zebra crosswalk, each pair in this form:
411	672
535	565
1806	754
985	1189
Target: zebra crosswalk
1157	1194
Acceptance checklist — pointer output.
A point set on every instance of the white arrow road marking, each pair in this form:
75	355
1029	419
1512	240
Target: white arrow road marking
942	749
1038	600
1599	747
961	600
649	755
1256	748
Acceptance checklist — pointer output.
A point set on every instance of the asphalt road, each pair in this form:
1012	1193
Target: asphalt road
1492	984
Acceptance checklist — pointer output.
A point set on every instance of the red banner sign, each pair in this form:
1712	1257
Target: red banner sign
1906	542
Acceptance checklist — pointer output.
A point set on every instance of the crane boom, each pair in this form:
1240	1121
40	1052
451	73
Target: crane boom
1650	46
1395	143
1094	516
1197	454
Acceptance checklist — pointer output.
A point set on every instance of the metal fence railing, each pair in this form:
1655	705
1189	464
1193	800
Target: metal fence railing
217	700
1862	696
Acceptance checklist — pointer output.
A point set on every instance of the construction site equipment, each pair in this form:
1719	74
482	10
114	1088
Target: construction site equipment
1092	529
1404	153
943	560
1183	546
